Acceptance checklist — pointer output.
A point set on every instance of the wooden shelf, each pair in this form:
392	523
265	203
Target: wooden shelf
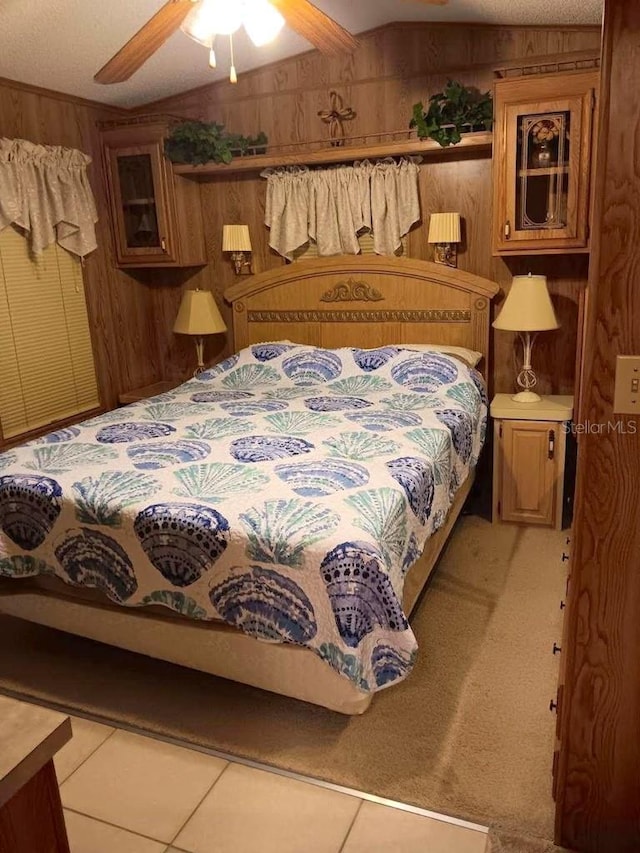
470	142
545	170
134	202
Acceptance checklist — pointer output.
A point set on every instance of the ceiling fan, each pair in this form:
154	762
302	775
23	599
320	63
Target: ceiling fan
301	15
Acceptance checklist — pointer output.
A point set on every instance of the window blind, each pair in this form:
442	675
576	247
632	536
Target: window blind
47	371
365	239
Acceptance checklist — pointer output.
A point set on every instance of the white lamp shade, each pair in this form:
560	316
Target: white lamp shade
528	307
198	314
209	18
235	238
444	228
262	21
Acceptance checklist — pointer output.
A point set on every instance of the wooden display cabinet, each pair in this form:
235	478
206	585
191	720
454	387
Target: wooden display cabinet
542	159
156	216
529	459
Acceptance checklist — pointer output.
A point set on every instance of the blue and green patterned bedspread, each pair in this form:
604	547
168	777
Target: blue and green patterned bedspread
286	491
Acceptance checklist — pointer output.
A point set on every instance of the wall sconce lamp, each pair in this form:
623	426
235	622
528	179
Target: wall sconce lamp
527	308
199	315
444	232
236	240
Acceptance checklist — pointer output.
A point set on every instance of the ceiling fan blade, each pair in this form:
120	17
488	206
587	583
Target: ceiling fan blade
145	42
313	25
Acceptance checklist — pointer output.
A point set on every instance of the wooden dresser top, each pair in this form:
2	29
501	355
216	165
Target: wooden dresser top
29	737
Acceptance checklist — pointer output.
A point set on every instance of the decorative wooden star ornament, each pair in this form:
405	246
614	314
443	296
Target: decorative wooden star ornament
334	116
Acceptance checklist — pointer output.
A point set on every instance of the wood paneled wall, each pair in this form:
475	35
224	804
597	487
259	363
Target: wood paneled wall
132	313
45	118
394	67
599	768
122	312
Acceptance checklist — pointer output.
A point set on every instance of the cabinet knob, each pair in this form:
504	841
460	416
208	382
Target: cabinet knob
553	705
163	244
565	557
562	605
556	649
507	230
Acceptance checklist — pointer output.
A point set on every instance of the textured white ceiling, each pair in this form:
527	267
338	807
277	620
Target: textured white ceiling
60	44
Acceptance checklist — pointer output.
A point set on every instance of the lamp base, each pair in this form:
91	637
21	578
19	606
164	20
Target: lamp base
526	397
446	253
241	263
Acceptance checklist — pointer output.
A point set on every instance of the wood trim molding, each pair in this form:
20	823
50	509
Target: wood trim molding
363	266
581	60
62	96
352	291
428	316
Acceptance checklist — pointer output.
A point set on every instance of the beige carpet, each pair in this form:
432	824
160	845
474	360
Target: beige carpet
468	734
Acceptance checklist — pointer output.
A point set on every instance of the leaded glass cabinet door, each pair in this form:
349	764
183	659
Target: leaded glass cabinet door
139	204
543	153
544	191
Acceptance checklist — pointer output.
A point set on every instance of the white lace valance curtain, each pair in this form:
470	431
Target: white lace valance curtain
44	189
332	205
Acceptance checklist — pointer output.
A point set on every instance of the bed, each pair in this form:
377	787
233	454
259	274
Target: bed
320	434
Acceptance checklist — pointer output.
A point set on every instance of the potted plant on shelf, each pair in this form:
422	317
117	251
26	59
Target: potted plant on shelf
456	110
198	142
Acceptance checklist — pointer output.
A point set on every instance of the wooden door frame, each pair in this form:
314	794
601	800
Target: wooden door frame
598	791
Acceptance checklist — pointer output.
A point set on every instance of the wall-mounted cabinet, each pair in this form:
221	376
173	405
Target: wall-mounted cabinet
156	215
542	153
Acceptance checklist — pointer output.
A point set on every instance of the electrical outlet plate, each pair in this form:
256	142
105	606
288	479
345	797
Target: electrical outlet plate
626	398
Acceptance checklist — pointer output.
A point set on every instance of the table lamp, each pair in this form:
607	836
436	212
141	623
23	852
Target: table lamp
198	315
527	309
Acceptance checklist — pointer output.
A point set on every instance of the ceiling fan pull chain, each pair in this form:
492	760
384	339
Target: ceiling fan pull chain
233	77
212	54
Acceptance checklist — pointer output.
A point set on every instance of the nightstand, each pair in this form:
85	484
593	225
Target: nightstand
148	391
529	446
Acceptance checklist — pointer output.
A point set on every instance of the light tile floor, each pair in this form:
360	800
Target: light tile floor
125	793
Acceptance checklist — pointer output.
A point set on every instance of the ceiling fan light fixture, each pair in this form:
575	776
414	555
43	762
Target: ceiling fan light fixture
210	18
201	20
197	28
262	21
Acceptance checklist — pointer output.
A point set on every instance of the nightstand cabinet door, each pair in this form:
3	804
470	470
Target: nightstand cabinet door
528	457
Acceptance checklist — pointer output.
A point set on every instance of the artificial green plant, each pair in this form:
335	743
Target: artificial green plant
198	142
452	112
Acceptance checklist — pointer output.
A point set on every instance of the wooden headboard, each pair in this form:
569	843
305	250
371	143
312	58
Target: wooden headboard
365	301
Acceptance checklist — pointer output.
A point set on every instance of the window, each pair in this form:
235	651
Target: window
47	371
